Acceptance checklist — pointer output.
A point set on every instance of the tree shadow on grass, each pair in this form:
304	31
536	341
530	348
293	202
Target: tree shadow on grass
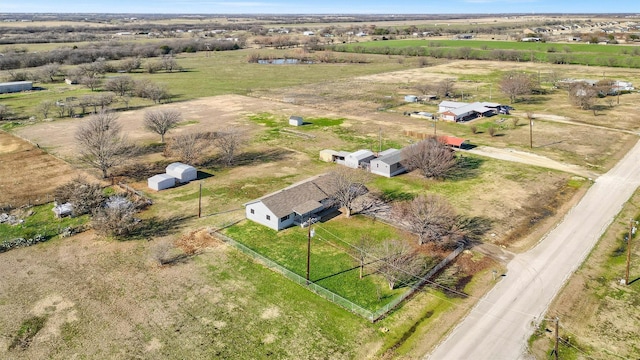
248	158
466	168
141	171
156	226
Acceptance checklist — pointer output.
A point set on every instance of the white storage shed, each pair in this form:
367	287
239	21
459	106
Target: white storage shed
183	172
296	121
161	182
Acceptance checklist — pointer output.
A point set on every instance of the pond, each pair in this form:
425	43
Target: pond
284	61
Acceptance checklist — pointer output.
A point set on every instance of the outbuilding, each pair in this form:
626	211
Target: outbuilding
359	158
183	172
296	121
161	182
410	98
327	155
15	86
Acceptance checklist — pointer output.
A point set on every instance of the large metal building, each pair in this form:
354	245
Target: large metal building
15	86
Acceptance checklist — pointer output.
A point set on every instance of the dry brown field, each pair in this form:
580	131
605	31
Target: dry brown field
29	174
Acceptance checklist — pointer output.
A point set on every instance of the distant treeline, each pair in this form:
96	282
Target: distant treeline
18	59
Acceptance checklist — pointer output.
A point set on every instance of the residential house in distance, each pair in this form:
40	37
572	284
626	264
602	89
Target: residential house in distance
292	205
388	163
359	158
461	111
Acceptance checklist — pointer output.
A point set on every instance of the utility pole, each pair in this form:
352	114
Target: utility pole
200	201
530	133
379	140
309	235
631	231
555	350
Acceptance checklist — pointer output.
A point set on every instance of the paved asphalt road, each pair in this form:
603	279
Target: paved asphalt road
499	325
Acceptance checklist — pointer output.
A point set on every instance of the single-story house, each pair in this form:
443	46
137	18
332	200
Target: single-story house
359	158
15	86
292	205
296	121
327	155
183	172
388	164
453	141
161	182
460	111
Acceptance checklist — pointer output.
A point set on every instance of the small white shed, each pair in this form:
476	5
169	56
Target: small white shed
410	98
183	172
161	182
296	121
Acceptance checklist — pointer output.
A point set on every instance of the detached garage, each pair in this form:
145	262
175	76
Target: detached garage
161	182
183	172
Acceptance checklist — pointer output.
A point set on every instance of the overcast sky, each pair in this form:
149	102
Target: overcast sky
322	7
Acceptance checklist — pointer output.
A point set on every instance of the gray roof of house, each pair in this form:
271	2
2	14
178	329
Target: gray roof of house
391	158
299	196
362	154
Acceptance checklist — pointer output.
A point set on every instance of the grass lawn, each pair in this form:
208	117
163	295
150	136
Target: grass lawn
42	221
331	265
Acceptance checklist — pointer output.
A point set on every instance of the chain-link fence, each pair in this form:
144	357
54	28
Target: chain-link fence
331	296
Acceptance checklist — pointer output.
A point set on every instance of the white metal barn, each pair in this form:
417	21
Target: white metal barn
183	172
161	182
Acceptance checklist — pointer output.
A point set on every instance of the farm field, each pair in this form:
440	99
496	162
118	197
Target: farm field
555	53
29	174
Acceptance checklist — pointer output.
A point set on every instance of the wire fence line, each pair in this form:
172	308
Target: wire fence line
328	294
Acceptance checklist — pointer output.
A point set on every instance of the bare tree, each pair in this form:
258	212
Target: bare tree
92	82
84	196
398	263
348	185
228	141
515	84
433	158
101	143
120	85
583	95
130	64
444	87
188	148
104	99
115	218
169	63
429	216
423	88
161	121
45	107
48	72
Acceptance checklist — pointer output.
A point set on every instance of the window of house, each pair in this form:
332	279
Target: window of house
268	217
253	212
285	218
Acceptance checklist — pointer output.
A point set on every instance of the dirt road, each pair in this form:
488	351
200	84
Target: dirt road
531	159
500	324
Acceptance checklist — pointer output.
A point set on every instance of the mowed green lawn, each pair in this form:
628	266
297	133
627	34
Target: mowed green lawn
332	265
